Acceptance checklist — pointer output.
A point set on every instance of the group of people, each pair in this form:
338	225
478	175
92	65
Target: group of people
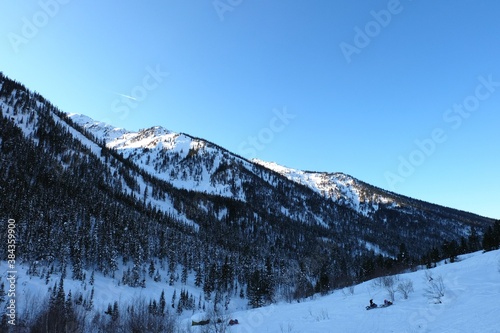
374	305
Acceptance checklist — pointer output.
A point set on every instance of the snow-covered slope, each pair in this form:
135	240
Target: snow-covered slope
340	187
173	157
197	165
85	195
160	151
102	131
469	305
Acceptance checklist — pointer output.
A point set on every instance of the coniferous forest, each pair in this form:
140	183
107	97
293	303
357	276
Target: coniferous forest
81	206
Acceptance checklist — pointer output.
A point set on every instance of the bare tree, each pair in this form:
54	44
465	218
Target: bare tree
389	284
219	320
435	287
405	287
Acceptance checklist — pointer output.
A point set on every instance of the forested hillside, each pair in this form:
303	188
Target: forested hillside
85	201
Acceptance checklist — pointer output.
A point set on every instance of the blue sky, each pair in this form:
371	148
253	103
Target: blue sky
404	95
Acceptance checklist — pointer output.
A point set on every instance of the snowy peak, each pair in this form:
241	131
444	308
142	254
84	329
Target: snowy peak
100	130
158	198
339	187
179	159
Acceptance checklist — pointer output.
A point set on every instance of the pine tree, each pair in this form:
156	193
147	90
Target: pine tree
90	302
151	268
198	279
255	290
184	274
69	307
135	278
324	281
473	240
180	305
173	299
162	302
61	296
153	307
491	238
2	293
157	277
109	310
77	265
115	314
269	283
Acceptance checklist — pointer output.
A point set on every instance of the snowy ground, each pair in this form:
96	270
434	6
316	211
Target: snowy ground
470	304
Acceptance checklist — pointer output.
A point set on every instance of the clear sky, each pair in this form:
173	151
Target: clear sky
404	95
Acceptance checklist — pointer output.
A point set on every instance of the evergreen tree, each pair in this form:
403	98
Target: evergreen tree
473	240
323	285
157	277
173	299
184	274
491	238
115	314
198	279
255	290
68	307
61	296
109	310
450	250
151	268
2	292
90	303
403	257
162	303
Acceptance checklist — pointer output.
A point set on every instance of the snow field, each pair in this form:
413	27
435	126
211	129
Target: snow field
470	302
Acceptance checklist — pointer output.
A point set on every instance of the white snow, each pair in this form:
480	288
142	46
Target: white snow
469	304
338	186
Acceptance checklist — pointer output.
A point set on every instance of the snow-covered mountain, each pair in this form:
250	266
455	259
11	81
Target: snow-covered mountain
170	156
178	159
339	187
155	205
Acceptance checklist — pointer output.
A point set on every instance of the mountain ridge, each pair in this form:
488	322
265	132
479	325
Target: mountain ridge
154	195
348	194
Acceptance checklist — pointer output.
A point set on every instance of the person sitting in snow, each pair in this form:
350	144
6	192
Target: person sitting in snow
372	305
387	303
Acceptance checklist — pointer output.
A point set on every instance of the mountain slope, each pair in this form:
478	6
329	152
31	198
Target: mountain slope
358	195
340	187
109	195
469	304
194	164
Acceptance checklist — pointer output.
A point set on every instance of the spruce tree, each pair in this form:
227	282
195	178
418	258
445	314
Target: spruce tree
2	293
115	314
162	302
173	299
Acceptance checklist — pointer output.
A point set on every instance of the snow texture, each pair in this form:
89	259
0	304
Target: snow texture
469	304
